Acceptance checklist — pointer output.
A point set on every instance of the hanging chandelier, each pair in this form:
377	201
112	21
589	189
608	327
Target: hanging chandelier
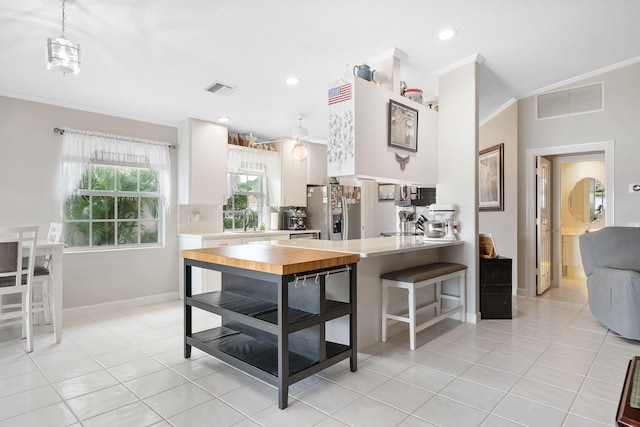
62	53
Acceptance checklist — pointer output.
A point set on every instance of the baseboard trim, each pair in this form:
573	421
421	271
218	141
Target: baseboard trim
473	317
117	305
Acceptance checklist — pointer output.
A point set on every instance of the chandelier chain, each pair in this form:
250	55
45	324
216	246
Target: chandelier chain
63	16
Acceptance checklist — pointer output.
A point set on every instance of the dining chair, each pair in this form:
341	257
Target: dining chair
42	301
16	243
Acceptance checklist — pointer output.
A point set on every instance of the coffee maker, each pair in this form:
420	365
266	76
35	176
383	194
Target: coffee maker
294	218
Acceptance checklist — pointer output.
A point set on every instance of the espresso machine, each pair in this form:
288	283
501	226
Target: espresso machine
294	219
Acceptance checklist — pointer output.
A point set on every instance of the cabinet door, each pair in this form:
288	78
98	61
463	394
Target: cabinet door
202	163
212	280
294	177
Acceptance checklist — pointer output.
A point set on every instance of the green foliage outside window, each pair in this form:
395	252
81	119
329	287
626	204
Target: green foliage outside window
115	206
247	194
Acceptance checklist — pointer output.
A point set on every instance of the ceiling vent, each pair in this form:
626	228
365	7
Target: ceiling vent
578	100
220	88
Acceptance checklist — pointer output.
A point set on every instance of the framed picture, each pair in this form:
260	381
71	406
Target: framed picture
386	192
490	178
403	126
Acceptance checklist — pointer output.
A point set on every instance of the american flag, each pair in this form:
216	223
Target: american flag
340	93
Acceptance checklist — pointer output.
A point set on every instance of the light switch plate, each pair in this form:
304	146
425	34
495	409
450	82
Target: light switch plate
634	188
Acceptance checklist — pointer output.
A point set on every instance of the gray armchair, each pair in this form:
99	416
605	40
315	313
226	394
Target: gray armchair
611	261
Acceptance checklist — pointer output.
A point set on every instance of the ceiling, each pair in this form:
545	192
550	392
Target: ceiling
152	60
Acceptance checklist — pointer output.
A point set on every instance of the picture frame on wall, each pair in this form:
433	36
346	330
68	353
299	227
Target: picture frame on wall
491	178
386	192
403	126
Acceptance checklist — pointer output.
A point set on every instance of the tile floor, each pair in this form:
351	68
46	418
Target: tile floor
552	365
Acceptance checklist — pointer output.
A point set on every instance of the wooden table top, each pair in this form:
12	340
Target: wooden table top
271	259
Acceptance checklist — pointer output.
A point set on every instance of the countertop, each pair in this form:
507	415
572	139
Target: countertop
366	248
279	260
241	234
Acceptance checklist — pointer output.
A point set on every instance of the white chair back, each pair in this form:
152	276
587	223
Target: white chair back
18	244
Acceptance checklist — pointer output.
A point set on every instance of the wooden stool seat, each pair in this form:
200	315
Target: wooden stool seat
415	278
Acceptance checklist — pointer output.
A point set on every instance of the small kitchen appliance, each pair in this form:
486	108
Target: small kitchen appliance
294	219
442	216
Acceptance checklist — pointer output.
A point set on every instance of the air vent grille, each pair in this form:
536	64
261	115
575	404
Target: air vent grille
579	100
220	88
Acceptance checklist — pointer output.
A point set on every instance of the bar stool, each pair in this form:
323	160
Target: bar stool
413	279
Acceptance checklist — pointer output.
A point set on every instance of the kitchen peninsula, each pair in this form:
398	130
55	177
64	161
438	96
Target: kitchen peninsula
377	256
274	308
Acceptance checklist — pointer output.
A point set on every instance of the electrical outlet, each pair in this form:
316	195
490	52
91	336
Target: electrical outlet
634	188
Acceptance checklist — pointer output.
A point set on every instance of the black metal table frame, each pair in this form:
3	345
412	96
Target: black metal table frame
282	329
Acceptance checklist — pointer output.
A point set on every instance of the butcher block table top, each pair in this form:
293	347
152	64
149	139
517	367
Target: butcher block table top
279	260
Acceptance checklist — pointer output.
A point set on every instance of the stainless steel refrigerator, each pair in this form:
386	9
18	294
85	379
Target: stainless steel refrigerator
334	210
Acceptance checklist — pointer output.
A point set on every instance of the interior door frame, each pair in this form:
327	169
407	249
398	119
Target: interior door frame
530	199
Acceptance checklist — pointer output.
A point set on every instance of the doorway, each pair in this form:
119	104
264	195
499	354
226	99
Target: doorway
531	258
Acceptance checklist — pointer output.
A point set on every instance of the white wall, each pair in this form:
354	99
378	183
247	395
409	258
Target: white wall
618	122
458	165
503	129
29	194
373	158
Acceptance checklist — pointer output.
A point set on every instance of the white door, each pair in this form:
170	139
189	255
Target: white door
543	225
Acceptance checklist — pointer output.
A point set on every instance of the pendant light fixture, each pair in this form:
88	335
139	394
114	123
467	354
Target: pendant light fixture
62	53
300	135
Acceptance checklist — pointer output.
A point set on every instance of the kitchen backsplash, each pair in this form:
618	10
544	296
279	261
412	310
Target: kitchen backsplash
199	219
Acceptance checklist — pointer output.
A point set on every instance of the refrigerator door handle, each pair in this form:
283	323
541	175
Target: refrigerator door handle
345	219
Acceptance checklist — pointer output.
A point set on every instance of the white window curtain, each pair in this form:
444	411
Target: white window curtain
263	162
81	147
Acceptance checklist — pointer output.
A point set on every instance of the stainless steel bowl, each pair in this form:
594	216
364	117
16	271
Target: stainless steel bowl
434	229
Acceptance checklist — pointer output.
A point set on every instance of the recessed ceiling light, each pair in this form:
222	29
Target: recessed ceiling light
447	34
223	119
292	81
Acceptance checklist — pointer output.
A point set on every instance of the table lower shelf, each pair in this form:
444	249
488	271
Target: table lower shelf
260	354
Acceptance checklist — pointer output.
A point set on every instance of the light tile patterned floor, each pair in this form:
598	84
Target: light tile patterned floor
552	365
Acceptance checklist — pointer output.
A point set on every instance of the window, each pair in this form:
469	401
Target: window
246	193
115	190
114	206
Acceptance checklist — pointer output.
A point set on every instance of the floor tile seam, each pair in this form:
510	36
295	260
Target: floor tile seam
31	410
387	404
81	420
487	414
570	358
400	409
130	403
564	411
55	389
467	404
167	419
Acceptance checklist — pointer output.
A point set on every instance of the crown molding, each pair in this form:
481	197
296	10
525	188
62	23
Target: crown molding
500	109
468	60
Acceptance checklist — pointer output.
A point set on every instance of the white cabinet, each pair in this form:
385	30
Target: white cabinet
202	280
358	143
202	163
293	176
246	240
317	164
211	280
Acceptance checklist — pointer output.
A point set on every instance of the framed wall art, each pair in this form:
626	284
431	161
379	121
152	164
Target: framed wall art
386	192
403	126
491	178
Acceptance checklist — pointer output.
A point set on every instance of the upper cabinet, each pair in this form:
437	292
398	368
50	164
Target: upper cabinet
202	163
293	176
317	164
358	141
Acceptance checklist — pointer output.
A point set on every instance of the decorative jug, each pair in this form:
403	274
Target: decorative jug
363	71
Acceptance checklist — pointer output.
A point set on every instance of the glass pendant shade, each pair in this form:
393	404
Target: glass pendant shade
300	151
63	55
